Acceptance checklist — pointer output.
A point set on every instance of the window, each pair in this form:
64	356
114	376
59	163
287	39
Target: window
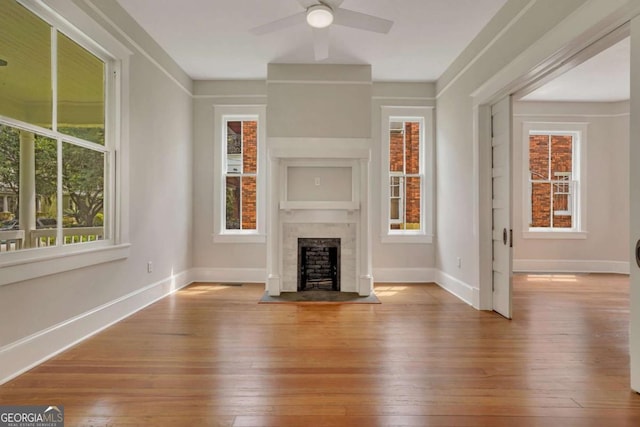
407	135
241	173
240	202
57	140
554	184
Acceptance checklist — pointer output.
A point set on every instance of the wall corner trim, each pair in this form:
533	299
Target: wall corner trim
458	288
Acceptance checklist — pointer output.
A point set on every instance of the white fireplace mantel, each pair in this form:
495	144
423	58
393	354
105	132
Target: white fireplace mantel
319	205
319	215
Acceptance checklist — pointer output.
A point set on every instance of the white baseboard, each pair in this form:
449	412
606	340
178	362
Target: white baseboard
229	275
26	353
403	275
569	266
460	289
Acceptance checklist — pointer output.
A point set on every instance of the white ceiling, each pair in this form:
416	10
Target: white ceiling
210	39
603	78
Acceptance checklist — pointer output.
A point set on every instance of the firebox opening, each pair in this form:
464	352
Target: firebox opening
318	264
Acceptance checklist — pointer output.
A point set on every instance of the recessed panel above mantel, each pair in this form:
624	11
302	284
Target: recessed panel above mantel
319	184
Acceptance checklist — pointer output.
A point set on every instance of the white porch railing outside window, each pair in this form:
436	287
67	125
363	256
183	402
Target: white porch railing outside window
14	239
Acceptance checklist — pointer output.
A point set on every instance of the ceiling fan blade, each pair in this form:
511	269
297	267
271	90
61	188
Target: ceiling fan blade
321	43
280	24
362	21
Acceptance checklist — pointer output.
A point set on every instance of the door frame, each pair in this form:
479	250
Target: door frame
584	33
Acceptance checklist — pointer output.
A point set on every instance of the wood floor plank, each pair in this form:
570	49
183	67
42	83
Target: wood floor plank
211	355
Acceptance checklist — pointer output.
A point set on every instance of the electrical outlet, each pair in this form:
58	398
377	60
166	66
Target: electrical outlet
149	267
459	262
317	181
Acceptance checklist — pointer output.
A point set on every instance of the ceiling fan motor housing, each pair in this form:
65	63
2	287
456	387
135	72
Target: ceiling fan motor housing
319	15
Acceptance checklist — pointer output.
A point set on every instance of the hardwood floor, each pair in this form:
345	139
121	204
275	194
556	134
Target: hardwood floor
210	355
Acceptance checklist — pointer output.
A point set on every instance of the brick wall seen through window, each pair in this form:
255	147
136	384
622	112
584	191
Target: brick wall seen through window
552	184
405	179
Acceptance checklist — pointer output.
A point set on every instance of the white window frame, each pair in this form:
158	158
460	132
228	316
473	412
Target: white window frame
222	114
577	183
423	115
27	264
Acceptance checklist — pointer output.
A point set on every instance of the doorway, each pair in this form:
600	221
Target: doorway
570	167
522	192
591	23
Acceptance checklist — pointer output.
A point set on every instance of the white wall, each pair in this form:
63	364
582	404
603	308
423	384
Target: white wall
39	317
219	261
606	247
396	261
319	101
298	115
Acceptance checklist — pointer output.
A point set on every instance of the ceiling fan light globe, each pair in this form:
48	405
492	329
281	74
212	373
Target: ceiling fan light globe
319	16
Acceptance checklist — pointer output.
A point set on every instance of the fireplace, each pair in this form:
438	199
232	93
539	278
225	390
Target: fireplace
318	264
318	189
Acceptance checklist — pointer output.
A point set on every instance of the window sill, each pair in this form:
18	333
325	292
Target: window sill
239	238
32	264
562	235
407	238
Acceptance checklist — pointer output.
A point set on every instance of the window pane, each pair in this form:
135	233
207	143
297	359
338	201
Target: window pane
395	207
83	194
232	206
25	79
39	213
561	154
234	147
80	92
46	168
396	147
9	187
562	204
541	205
249	203
539	157
394	191
562	221
249	146
412	146
412	206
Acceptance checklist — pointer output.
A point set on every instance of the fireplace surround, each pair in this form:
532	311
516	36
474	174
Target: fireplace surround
290	219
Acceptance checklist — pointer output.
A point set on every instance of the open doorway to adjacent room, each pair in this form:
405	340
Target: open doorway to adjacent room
570	168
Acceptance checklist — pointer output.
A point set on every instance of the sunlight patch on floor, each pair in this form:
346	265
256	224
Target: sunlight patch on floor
387	291
551	278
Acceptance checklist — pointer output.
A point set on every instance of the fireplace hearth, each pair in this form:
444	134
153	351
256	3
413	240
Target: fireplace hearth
318	264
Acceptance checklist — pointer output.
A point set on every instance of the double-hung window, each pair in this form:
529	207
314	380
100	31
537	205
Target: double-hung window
241	173
408	174
58	103
554	179
240	192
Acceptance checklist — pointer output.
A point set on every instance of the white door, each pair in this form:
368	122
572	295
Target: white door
501	205
634	181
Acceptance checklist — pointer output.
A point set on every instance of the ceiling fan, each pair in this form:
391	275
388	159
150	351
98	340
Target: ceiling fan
319	15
